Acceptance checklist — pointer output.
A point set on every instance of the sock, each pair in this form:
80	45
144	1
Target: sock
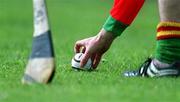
168	42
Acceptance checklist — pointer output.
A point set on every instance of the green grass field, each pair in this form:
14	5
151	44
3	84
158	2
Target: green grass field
70	21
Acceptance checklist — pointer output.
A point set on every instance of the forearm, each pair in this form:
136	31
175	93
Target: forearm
122	15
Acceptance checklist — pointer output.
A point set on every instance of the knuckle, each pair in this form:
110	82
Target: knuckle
77	42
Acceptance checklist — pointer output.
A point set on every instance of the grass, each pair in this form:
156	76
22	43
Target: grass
71	21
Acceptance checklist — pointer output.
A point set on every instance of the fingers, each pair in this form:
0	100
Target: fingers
83	49
96	60
78	46
92	48
93	57
85	58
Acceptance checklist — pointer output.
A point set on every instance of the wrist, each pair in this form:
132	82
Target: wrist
106	36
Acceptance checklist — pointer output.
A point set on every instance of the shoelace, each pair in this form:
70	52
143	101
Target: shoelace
143	68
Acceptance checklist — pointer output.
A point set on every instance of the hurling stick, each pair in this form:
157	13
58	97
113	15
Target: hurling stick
41	64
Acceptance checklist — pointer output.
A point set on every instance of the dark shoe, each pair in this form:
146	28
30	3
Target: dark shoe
155	68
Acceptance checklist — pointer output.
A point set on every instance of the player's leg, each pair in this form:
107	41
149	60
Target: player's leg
166	61
168	31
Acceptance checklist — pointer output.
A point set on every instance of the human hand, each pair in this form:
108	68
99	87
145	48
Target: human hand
94	47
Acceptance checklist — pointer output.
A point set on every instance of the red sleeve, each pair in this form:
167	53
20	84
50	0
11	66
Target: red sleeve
126	10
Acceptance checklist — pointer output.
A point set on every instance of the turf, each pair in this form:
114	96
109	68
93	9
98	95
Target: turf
70	21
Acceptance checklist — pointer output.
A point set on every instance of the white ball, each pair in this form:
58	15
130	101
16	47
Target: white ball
75	63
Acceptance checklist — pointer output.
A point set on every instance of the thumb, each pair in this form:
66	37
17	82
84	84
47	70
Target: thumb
78	46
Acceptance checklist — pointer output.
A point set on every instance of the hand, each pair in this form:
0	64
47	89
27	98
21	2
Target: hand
94	47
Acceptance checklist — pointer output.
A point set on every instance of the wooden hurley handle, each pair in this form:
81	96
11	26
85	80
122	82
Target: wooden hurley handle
41	24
